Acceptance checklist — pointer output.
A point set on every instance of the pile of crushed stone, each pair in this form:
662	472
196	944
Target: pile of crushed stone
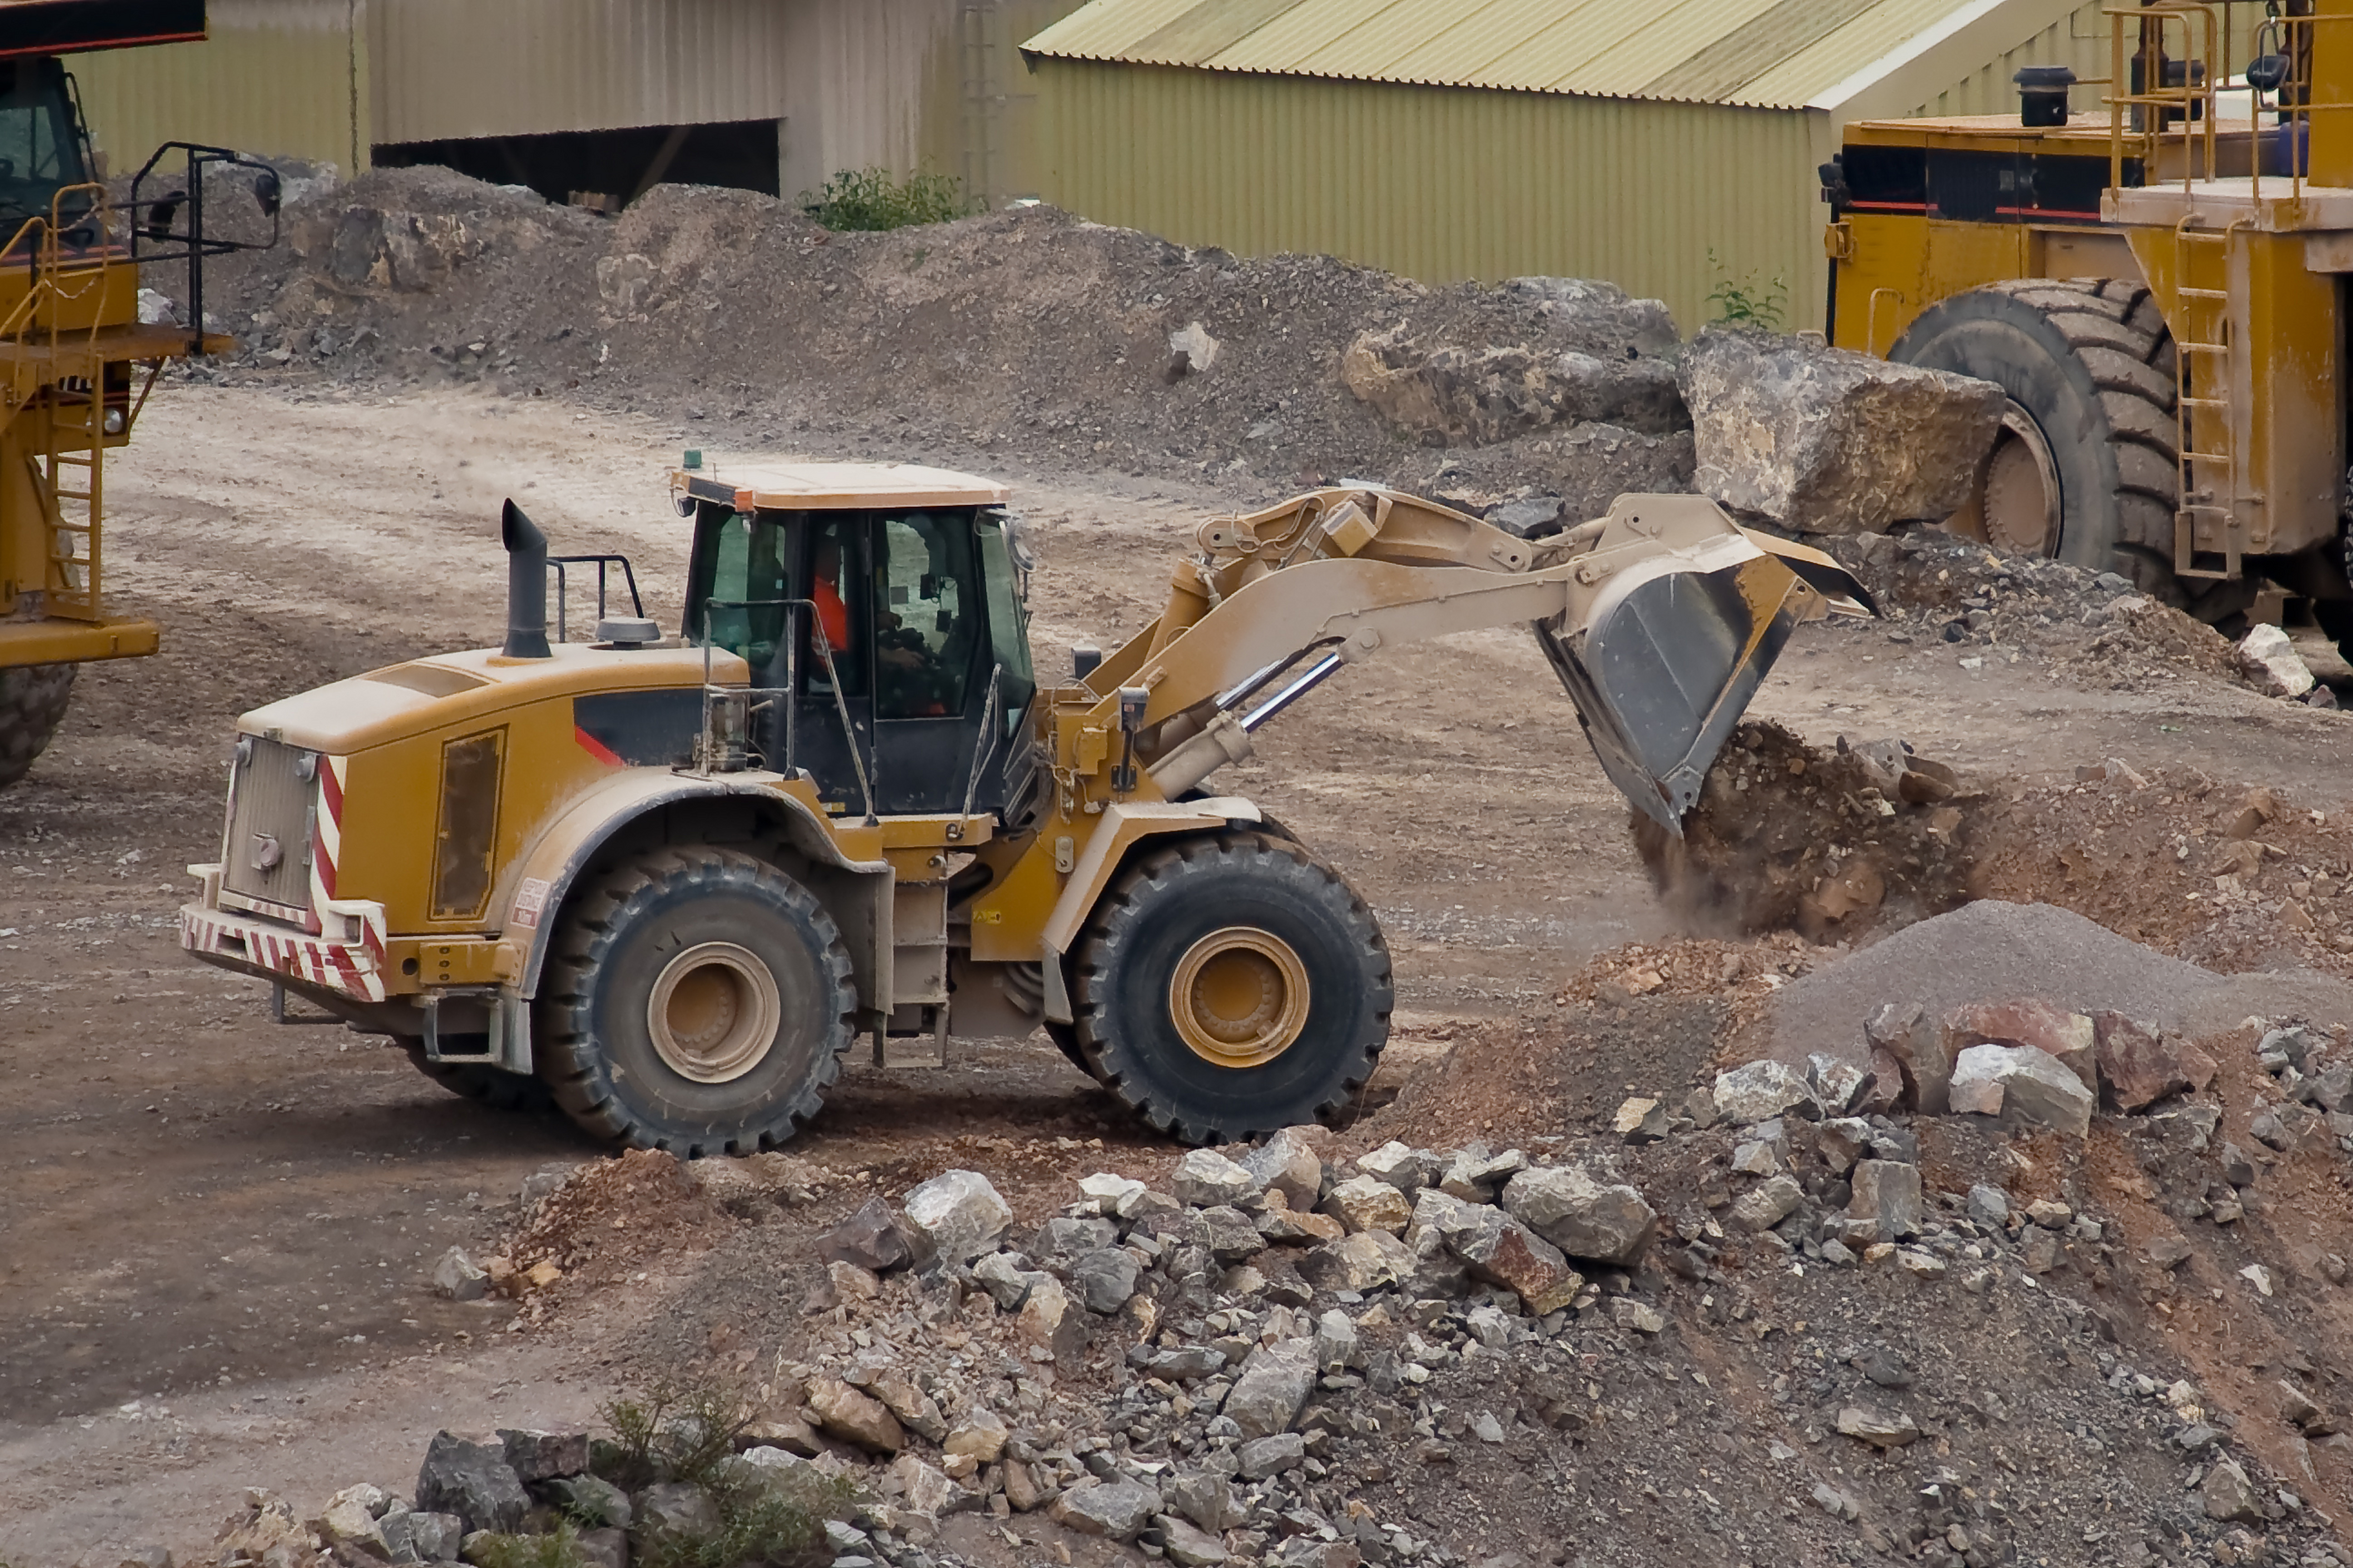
1013	338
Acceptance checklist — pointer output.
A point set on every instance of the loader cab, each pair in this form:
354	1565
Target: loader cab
885	616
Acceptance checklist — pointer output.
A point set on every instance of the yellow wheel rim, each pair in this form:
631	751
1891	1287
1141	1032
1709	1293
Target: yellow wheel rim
1239	997
715	1012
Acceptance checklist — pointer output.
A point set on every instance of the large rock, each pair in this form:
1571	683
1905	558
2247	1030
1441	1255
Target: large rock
1913	1045
1228	1235
1765	1206
2066	1037
2023	1086
1887	1198
537	1455
1825	440
2140	1066
1288	1163
1206	1497
2228	1494
1273	1388
1365	1261
1205	1179
858	1417
1368	1203
1581	1216
429	1537
348	1522
456	1278
1447	394
871	1239
1187	1545
1117	1510
1105	1277
1052	1319
1759	1092
473	1480
959	1213
2271	664
1400	1165
1007	1283
1501	1251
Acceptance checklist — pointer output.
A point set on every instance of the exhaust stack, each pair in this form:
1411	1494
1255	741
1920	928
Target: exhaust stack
526	585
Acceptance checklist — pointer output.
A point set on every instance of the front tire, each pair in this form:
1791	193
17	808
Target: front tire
697	1001
493	1086
33	698
1231	984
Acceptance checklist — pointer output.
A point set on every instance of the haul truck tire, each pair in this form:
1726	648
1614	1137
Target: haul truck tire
1231	984
1066	1040
697	1000
32	705
2085	468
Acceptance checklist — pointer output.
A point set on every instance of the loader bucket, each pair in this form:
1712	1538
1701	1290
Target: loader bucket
1676	647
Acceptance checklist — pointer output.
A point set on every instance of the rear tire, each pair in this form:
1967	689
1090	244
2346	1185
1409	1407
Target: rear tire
2090	364
33	698
697	1000
1231	984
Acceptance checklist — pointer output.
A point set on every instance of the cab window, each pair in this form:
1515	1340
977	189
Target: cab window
1008	625
737	564
926	615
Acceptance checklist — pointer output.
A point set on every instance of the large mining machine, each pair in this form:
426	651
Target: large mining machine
2159	285
78	356
672	880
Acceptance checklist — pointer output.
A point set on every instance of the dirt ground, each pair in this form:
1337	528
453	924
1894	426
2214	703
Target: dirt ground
208	1213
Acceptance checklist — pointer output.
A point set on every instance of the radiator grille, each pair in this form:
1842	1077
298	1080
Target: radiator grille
268	855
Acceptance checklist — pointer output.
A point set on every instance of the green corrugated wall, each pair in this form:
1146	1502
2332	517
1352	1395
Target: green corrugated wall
1443	184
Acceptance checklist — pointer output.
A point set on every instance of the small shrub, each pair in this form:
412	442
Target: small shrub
769	1523
558	1548
1747	302
674	1432
875	199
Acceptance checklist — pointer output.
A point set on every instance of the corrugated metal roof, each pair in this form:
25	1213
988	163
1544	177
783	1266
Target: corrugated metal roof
1765	53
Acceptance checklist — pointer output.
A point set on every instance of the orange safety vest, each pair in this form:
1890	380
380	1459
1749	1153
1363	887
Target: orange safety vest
832	614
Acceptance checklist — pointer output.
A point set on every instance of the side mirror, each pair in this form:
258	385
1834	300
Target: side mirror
162	214
269	192
1085	660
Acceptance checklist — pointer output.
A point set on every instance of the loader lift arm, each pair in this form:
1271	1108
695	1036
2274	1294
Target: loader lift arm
1660	619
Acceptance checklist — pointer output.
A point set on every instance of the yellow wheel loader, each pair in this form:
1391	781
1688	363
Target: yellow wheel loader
77	358
2160	287
672	880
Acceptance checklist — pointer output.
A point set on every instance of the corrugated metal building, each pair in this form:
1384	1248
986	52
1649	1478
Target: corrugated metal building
772	94
1454	139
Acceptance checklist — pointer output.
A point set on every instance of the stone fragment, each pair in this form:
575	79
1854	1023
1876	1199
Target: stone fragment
1763	1208
959	1213
915	1409
1841	1141
1205	1179
1105	1278
2268	659
1835	1503
1903	1032
2227	1493
473	1480
1880	1428
1228	1235
1450	395
1988	1207
1116	1511
670	1514
1501	1251
1264	1457
855	1416
595	1501
1110	1194
1365	1261
348	1522
980	1434
456	1278
871	1240
1186	1545
2040	1251
1835	1083
1206	1497
1887	1198
2050	1213
851	1283
1405	1169
2169	1249
1918	1264
412	1536
1007	1283
537	1455
1762	1090
1337	1345
1368	1203
2022	1085
1191	351
1639	1316
2137	1065
2067	1037
1288	1163
923	1488
1023	1490
1581	1216
2256	1275
1641	1120
1065	1236
1280	1223
1824	441
1051	1318
1757	1157
1273	1388
1476	1173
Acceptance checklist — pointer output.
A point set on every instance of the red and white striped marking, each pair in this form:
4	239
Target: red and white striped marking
327	831
352	968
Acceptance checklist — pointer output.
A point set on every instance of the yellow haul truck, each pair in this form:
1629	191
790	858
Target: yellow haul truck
672	880
2159	286
77	360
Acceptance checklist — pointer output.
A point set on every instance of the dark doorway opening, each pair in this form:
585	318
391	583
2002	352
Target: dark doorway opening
619	164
